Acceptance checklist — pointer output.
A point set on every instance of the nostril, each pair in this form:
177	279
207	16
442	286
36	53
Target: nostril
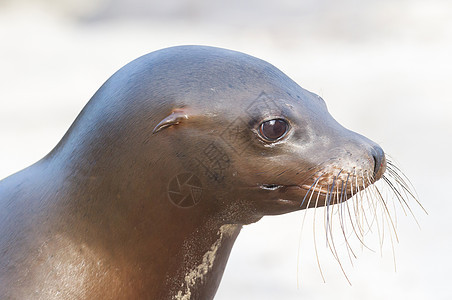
378	156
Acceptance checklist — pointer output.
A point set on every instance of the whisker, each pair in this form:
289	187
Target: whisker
307	193
373	206
315	242
302	225
328	200
341	220
358	236
408	187
359	203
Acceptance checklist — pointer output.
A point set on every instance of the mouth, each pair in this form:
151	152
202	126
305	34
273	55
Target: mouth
286	195
303	189
298	194
271	187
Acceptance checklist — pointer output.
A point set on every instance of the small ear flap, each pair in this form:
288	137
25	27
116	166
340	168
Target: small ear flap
174	118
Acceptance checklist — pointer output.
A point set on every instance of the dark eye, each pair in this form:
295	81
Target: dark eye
273	130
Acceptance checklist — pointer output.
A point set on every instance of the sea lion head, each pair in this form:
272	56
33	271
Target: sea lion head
223	133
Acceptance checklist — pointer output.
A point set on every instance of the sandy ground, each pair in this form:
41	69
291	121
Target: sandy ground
387	77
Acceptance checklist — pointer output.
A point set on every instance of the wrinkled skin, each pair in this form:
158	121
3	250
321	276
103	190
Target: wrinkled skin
93	219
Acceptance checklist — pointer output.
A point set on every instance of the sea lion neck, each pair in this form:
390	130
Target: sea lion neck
121	236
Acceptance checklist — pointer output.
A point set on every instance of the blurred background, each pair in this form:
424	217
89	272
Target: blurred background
383	67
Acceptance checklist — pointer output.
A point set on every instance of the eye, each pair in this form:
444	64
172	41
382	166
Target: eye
273	130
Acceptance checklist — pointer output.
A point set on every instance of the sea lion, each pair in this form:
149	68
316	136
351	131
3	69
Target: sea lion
146	193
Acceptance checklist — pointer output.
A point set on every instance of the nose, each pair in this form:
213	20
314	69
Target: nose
379	162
